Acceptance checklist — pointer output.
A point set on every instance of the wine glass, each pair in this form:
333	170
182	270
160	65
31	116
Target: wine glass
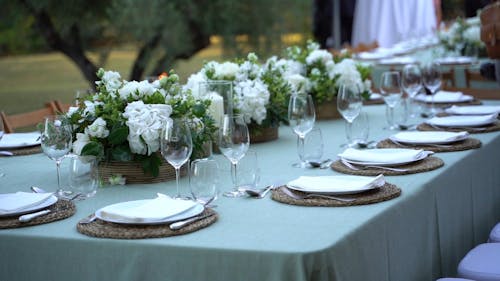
301	116
176	146
56	140
412	84
431	76
234	141
390	89
349	104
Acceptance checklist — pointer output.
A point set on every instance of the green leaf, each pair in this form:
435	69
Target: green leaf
118	135
151	165
121	153
93	148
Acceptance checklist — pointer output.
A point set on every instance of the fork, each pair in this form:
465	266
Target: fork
289	193
364	167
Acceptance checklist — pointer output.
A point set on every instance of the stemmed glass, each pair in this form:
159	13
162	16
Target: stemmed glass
431	76
56	140
412	84
390	89
301	116
234	141
176	145
349	104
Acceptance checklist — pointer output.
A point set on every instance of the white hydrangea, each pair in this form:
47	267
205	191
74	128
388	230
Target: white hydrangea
193	83
225	70
111	80
473	34
322	56
136	90
248	70
97	129
348	74
144	122
299	83
81	141
251	99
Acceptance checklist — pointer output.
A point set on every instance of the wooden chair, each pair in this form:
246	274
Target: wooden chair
62	107
448	78
26	119
472	77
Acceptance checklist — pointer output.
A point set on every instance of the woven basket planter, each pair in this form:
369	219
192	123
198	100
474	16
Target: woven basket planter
133	173
259	134
327	110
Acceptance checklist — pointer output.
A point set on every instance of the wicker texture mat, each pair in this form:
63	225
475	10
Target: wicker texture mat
449	104
469	143
60	210
425	165
386	192
103	229
473	130
24	150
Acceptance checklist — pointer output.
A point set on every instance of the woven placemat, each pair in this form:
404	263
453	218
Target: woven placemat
60	210
450	104
386	192
486	129
103	229
469	143
24	151
427	164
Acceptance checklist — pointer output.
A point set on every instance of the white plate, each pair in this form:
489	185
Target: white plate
344	185
47	203
15	140
473	110
463	120
421	156
436	137
195	210
428	99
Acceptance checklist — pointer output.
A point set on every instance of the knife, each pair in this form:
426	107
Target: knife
29	217
181	224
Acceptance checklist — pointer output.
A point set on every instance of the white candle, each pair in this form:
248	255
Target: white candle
216	109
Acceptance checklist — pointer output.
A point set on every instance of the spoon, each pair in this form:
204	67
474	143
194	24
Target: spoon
259	193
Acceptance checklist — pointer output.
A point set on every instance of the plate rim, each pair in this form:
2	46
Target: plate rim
196	210
466	98
486	122
461	138
423	155
370	187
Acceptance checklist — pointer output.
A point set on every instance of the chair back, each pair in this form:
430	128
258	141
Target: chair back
26	119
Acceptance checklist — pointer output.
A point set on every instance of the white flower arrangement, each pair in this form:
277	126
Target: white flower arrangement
461	34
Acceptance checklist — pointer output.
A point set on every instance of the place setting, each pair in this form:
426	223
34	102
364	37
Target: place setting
436	141
335	191
161	216
444	99
14	144
387	161
456	123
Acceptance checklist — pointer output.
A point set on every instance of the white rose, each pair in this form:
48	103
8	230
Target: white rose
97	129
81	141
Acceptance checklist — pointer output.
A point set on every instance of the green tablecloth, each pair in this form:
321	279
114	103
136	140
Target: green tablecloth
420	235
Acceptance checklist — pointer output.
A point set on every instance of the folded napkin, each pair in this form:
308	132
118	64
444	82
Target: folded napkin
159	208
473	110
445	96
13	202
463	120
429	137
336	184
375	96
19	139
383	155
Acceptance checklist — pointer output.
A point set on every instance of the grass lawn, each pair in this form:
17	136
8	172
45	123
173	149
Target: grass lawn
27	82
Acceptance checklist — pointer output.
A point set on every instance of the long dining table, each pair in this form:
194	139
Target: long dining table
420	235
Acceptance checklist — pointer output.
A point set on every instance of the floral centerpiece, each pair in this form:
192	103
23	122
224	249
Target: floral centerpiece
326	72
462	35
260	92
122	121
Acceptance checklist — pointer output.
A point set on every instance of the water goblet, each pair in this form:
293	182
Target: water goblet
312	148
301	116
176	146
349	105
248	171
412	84
203	180
359	130
431	76
390	89
234	141
56	141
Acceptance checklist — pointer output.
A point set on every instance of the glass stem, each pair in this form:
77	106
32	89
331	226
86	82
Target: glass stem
177	181
390	118
235	176
300	149
58	164
348	130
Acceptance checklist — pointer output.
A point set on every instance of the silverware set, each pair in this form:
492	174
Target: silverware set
365	167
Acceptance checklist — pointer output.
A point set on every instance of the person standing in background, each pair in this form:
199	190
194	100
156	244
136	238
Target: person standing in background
323	22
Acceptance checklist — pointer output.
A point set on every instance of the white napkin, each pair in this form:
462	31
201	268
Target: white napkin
429	137
445	96
383	155
473	110
160	208
463	120
375	96
13	202
19	139
338	184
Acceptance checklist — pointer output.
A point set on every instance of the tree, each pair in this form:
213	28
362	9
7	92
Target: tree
163	30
